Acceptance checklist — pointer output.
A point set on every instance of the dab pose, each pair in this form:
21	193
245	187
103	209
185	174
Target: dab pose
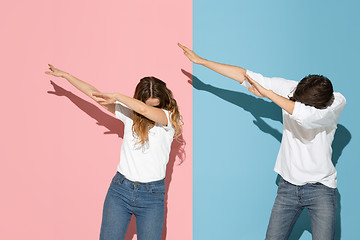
151	119
311	111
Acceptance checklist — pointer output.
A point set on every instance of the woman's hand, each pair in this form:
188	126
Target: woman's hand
55	71
256	88
193	57
105	98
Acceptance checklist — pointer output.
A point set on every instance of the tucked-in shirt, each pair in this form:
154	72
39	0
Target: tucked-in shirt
305	149
144	162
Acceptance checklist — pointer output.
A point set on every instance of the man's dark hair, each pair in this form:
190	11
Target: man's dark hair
314	90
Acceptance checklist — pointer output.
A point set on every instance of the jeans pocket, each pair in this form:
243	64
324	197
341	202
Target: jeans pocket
281	182
116	179
157	190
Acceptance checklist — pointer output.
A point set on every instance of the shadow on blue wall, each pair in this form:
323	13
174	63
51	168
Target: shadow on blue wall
259	109
115	126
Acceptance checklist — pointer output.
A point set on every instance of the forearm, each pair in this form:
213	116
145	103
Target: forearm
282	102
134	104
153	113
233	72
81	85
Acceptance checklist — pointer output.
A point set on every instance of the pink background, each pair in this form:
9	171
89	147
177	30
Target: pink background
59	151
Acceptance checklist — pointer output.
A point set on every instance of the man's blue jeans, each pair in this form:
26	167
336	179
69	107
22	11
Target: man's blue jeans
124	198
320	201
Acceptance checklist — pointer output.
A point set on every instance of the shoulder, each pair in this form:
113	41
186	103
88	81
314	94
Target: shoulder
339	97
339	101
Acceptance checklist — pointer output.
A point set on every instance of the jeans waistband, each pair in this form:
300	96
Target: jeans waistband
122	179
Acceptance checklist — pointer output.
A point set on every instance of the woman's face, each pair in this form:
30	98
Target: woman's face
152	102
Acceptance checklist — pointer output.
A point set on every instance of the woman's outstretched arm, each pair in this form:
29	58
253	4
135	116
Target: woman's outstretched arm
107	100
86	88
233	72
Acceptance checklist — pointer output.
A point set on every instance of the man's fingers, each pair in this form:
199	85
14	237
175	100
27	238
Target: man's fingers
184	47
181	46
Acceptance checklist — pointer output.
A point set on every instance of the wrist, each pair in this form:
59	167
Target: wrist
65	75
202	61
269	94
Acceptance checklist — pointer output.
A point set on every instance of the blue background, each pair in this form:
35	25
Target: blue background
237	136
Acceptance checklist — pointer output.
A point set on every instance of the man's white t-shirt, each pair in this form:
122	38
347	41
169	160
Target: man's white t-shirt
144	162
305	150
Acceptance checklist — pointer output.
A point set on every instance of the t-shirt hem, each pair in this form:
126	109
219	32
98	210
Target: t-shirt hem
140	180
326	183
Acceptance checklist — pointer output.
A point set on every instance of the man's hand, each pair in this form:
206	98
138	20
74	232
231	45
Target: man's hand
193	57
256	88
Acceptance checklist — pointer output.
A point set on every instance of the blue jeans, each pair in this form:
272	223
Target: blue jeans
124	198
320	201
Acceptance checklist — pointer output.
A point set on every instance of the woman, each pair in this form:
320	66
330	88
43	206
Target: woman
311	111
151	120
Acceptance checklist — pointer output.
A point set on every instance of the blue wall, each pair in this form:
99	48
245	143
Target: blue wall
237	136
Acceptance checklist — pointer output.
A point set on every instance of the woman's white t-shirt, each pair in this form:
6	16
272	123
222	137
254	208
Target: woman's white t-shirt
305	150
144	162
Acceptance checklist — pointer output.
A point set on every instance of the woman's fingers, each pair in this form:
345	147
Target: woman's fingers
51	67
100	95
103	96
103	102
100	98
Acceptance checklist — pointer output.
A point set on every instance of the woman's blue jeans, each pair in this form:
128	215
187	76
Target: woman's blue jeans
320	201
124	198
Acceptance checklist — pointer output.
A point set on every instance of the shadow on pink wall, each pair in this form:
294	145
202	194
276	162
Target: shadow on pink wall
115	126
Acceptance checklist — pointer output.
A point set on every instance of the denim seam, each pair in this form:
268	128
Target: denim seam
289	230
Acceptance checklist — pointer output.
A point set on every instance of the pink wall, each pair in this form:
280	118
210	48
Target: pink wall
57	157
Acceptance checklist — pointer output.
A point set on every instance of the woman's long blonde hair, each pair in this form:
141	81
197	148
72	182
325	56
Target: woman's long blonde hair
152	87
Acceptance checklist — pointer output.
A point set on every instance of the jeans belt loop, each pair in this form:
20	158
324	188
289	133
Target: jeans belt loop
122	178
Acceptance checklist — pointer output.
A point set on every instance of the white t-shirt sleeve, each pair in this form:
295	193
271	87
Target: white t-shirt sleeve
280	86
122	112
311	117
168	116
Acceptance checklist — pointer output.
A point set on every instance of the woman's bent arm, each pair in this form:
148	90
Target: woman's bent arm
153	113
